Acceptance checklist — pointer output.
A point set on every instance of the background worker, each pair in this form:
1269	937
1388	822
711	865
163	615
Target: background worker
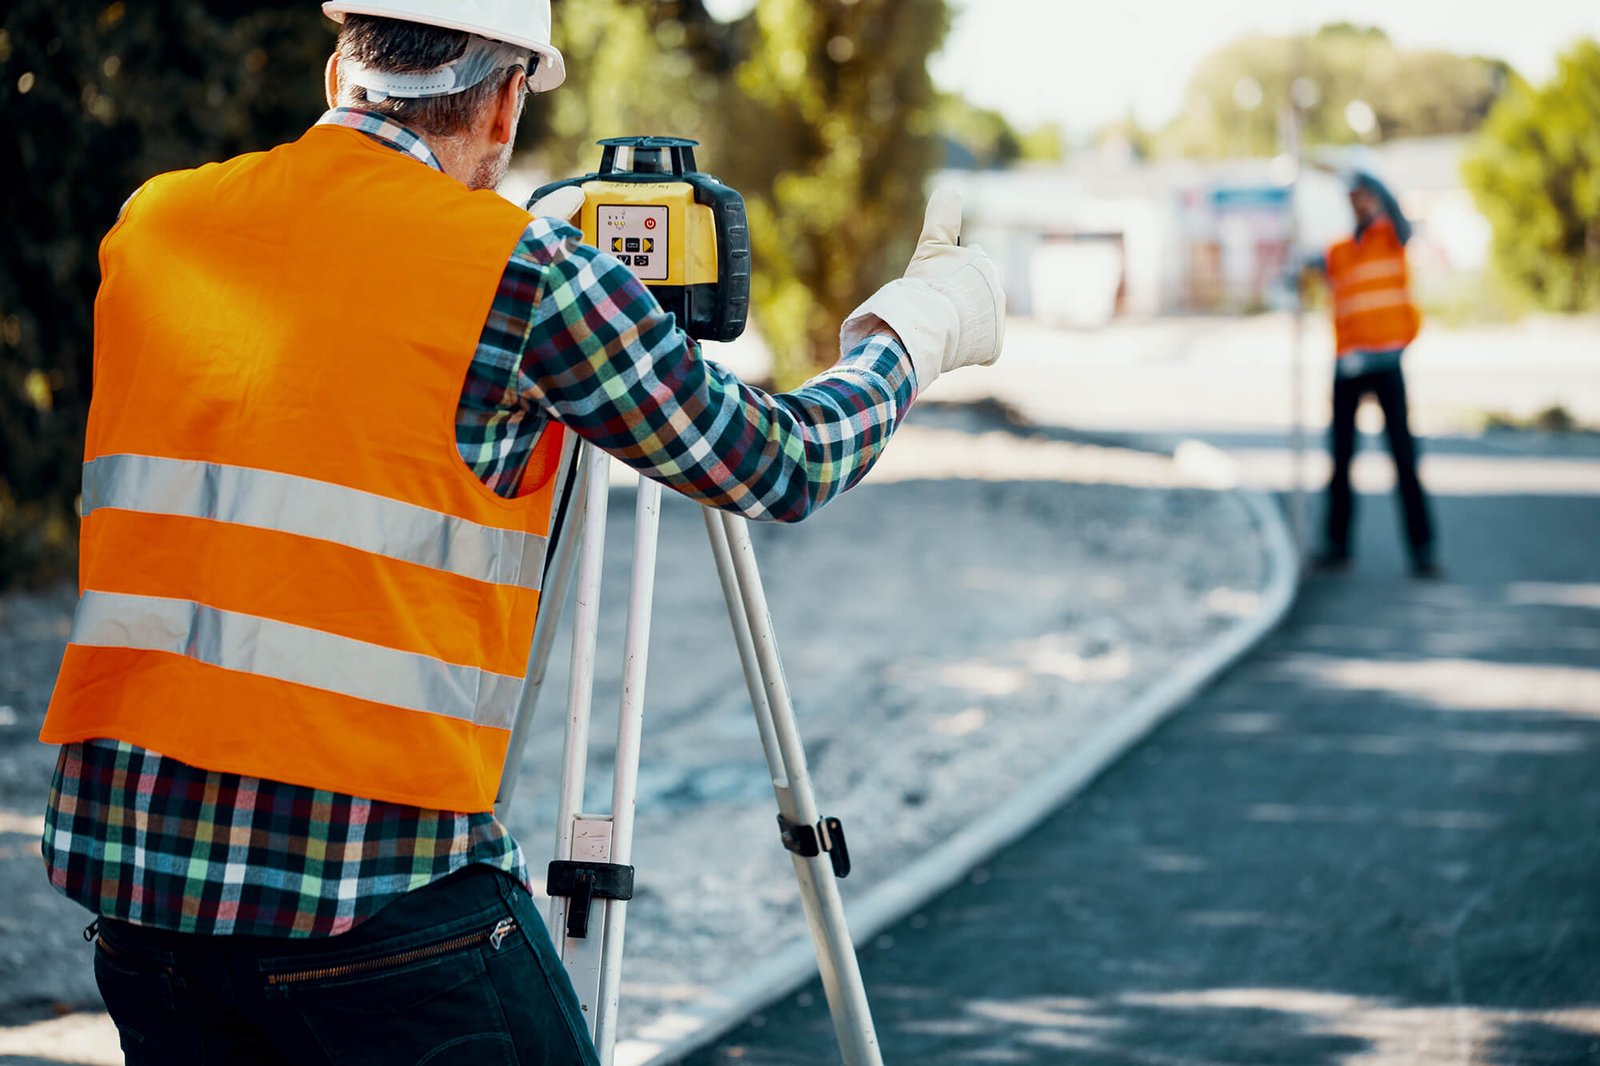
1374	320
333	386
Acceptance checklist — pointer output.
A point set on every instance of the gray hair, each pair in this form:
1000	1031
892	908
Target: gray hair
434	80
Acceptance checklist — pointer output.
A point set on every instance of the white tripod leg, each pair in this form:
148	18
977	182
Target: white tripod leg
630	728
552	601
791	782
594	851
578	840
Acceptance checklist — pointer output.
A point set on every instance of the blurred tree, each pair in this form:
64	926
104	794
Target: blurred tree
1044	144
96	98
1232	101
1536	175
1353	30
834	106
633	67
976	136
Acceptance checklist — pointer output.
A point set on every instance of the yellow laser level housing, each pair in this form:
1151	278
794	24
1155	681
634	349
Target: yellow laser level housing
655	228
681	232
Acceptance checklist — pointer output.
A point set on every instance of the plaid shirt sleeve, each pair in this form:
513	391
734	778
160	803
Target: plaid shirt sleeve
595	351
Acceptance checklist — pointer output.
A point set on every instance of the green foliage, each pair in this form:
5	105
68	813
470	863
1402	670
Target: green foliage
1351	31
1536	176
1233	100
632	67
95	99
1043	144
981	133
841	92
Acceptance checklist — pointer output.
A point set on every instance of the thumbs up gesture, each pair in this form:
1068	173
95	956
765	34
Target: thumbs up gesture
949	310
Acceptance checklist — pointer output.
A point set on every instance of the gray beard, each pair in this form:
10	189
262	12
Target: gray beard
490	171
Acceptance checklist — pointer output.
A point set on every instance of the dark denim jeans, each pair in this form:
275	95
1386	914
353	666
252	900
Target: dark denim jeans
460	972
1389	386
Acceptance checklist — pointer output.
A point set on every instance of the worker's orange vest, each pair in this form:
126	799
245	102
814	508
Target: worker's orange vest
1372	308
287	571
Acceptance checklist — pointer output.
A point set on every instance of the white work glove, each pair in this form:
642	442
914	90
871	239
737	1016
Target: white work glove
565	203
949	310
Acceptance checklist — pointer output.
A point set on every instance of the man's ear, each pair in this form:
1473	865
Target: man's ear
330	80
508	108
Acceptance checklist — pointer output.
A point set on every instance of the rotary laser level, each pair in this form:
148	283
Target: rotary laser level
683	233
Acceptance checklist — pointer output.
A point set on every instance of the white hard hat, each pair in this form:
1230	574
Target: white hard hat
525	23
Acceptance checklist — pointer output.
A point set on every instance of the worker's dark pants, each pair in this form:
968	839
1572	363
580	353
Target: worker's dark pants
1389	386
461	972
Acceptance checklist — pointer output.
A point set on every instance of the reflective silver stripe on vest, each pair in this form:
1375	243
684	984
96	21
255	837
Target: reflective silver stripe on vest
1385	269
296	654
317	509
1375	300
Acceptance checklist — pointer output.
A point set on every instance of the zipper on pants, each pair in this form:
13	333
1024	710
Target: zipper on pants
493	937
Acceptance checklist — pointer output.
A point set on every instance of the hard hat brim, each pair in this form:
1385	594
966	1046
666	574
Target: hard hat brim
552	67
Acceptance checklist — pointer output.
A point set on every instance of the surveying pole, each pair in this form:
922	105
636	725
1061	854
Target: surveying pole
1291	126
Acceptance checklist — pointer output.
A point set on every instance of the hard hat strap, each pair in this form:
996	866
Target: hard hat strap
482	58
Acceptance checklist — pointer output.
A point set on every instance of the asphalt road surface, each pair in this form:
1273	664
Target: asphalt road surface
1375	841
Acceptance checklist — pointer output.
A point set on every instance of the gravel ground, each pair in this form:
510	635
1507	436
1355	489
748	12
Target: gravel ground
948	628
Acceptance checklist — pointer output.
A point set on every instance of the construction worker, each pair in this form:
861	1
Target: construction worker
334	384
1374	320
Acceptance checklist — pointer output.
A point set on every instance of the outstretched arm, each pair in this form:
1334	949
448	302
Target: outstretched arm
600	356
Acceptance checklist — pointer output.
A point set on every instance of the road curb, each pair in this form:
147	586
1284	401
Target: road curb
669	1038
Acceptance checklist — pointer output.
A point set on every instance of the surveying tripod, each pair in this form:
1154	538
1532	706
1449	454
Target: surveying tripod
593	852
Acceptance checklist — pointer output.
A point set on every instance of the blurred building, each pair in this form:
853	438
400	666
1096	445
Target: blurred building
1106	234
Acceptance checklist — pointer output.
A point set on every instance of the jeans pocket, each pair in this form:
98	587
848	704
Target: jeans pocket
542	1002
432	1004
138	985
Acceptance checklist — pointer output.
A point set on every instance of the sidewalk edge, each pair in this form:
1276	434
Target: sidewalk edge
670	1037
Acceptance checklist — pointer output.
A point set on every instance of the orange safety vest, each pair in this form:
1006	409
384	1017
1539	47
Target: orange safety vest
1372	308
286	570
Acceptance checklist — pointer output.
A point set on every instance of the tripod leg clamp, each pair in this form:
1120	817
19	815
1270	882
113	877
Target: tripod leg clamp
809	841
583	883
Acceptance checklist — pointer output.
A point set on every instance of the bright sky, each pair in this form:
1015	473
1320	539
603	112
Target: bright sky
1084	62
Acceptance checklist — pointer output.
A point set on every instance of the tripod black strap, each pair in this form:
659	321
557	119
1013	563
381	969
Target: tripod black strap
808	841
583	883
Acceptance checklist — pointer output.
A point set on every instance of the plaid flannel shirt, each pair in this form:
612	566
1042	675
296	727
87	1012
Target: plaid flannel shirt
573	337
